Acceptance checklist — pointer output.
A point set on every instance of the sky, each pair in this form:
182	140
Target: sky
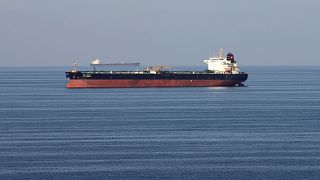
158	32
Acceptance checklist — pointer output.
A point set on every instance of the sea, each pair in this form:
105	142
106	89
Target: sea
269	129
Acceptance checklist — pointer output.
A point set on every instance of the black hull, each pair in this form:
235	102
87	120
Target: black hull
163	76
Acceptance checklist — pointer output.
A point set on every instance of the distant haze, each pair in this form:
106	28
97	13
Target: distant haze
158	32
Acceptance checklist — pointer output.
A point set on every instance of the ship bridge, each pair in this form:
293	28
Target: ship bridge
221	64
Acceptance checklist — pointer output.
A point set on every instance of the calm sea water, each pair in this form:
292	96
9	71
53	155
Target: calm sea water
267	130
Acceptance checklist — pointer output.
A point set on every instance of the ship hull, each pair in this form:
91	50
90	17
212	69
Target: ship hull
135	83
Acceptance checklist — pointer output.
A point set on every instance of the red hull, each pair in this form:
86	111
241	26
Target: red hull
127	83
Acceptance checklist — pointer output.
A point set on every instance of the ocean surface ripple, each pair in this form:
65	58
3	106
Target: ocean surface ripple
269	129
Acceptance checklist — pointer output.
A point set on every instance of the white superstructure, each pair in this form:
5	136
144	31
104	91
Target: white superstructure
223	65
96	61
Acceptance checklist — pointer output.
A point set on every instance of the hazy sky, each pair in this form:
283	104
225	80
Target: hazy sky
158	32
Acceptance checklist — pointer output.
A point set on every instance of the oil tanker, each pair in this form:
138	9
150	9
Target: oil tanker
222	71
